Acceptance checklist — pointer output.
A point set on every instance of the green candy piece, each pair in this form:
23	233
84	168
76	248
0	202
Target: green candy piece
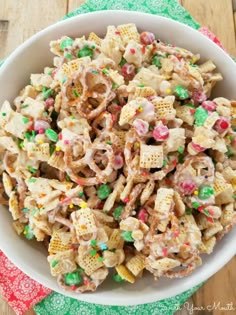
205	192
66	43
117	212
118	278
188	211
47	93
156	61
25	120
25	210
195	205
189	105
93	242
54	263
21	144
28	233
122	62
103	191
93	252
73	278
181	92
84	52
127	236
51	135
164	163
200	116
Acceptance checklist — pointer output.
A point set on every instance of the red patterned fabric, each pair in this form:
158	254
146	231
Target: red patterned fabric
205	31
17	288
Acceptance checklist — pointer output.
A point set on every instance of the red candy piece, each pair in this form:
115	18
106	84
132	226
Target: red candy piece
119	162
128	71
143	215
126	200
221	125
147	38
54	73
197	147
199	96
209	105
188	186
160	133
49	102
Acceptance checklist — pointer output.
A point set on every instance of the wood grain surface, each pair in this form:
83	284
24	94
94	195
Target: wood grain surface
21	19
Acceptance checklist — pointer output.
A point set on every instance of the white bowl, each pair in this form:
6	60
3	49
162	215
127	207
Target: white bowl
31	57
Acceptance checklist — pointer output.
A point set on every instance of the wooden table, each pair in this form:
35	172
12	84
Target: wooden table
21	19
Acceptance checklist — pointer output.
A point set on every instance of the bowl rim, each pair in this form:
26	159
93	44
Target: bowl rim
188	284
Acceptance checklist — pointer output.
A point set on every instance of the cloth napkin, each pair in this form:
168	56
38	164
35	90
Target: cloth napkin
22	292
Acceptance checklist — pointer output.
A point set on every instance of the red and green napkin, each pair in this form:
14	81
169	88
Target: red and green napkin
23	293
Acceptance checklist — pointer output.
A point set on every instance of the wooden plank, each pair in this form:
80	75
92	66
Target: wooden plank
219	290
217	15
26	18
73	4
5	309
235	22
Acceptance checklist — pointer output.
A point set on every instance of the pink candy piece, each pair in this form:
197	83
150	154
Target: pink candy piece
209	105
143	215
49	102
119	162
147	38
199	96
141	126
160	133
41	131
188	186
221	124
128	71
197	147
54	73
40	125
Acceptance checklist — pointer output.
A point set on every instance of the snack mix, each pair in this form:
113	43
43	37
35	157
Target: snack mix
117	157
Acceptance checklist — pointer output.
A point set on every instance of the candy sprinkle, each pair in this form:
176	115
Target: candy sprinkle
25	210
93	252
122	62
28	233
156	61
83	205
32	180
180	150
93	242
127	236
118	278
25	120
54	263
195	205
51	135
